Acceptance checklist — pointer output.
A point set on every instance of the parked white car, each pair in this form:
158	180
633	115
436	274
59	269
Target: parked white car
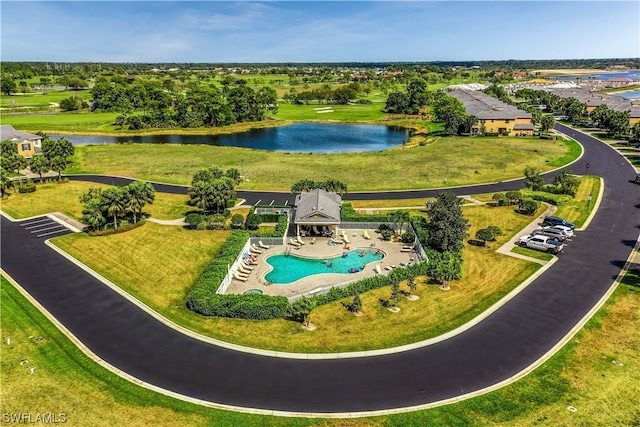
552	233
564	228
541	243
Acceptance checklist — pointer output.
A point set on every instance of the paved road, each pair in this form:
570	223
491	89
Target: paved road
504	344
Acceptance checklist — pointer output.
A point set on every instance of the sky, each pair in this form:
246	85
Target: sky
310	31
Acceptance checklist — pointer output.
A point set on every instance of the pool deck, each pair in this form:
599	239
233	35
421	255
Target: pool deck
321	249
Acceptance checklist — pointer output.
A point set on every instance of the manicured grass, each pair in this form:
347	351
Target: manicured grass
356	112
155	263
169	206
64	197
48	197
442	162
578	210
144	264
532	253
64	122
38	99
581	374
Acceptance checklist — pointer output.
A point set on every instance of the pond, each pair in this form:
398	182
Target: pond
298	137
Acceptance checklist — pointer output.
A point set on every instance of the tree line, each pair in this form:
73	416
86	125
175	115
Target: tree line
199	105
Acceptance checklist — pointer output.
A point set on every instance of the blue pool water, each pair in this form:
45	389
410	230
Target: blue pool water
289	268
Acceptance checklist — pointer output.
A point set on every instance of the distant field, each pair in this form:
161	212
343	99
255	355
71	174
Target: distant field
38	99
442	162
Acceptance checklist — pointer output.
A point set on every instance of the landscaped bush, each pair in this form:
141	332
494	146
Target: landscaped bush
194	219
27	187
237	220
528	207
500	199
408	237
252	222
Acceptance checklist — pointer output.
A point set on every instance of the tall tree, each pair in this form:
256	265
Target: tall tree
39	164
546	123
447	226
140	193
58	164
113	203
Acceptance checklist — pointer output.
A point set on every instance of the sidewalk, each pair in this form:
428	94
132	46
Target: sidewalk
507	247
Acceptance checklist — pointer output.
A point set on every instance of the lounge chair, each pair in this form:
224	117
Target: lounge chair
365	234
262	245
254	250
388	267
244	268
313	241
239	277
378	269
294	243
299	240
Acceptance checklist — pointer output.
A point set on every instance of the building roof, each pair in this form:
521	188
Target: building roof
523	126
483	106
593	99
317	207
8	132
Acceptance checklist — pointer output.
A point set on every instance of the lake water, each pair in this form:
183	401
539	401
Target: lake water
298	137
629	95
630	74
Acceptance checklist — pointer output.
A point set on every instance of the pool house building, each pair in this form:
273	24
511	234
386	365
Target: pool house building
317	213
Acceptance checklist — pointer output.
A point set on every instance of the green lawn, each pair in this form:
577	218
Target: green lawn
532	253
354	112
444	161
38	99
578	210
64	197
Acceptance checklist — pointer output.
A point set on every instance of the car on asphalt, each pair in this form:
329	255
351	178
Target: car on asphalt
637	180
553	233
564	228
556	220
541	243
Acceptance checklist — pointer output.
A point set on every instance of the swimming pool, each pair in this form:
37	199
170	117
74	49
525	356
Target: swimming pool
289	268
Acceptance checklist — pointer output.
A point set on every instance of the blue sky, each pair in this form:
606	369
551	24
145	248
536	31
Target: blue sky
308	31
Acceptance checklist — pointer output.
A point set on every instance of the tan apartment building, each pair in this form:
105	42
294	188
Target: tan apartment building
494	116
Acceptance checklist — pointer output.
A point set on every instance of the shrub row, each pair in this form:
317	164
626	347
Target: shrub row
120	229
28	187
373	282
255	307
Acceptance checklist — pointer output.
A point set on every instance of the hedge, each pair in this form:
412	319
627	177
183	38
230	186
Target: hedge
255	307
373	282
349	214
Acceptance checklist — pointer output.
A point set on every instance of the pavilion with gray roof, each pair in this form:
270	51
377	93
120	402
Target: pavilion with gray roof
316	210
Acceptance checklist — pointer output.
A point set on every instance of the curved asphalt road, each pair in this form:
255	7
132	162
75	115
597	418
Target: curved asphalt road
502	345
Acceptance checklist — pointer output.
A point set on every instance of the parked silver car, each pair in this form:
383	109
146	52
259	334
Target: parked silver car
564	228
552	233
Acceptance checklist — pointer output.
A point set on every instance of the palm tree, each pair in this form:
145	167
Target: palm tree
399	218
92	215
113	203
140	193
199	195
302	309
58	164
